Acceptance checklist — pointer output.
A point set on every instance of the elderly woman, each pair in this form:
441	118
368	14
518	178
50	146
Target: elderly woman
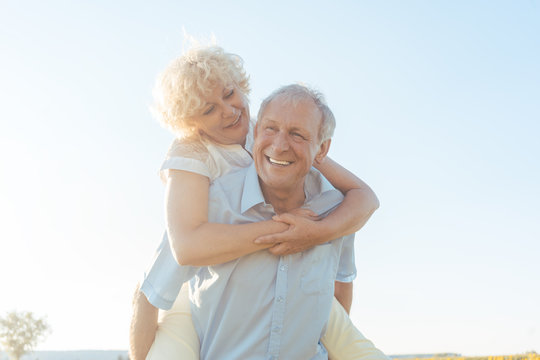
202	98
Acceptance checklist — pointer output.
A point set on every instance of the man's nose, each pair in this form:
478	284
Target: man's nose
281	142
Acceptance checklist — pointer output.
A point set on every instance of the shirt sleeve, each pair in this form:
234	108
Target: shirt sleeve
187	156
347	268
182	163
162	282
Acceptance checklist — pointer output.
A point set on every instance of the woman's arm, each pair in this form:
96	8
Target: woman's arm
193	239
359	204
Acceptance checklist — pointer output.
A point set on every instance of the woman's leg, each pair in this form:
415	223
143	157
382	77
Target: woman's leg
176	337
343	340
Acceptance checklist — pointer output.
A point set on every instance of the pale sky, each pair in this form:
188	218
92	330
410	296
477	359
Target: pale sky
437	107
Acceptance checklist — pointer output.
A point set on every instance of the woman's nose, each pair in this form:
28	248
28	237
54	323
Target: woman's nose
229	110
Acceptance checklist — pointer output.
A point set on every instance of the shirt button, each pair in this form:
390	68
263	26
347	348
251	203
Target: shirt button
276	329
283	268
279	299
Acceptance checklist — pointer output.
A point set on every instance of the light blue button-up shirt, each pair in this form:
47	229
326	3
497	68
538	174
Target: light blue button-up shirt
259	306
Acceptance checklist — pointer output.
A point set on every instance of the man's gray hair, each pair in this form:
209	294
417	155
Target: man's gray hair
294	94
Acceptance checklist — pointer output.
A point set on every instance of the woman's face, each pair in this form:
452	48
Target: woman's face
224	117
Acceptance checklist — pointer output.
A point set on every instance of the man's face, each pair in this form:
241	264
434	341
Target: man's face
287	143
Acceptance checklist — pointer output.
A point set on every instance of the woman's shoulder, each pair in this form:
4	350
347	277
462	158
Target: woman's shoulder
188	148
187	155
205	157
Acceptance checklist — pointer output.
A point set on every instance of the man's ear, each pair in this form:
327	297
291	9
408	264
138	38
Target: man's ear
323	151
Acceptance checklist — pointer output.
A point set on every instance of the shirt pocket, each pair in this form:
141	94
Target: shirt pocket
319	270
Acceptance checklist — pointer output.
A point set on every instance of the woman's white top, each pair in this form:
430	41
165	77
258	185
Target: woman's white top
207	158
163	279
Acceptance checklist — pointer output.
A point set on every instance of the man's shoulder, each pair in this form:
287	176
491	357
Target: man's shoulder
316	184
321	196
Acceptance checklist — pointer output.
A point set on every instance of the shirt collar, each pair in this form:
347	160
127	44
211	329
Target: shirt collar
252	193
316	187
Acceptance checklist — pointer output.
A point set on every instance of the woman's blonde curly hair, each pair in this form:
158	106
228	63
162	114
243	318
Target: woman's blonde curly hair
181	89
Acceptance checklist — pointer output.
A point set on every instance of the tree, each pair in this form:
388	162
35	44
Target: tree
20	332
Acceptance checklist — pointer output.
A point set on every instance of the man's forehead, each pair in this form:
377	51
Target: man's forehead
282	108
292	102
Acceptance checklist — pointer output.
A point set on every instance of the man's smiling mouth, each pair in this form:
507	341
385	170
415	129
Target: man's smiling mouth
278	162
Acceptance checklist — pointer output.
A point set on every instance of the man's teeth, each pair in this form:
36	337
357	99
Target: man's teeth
279	162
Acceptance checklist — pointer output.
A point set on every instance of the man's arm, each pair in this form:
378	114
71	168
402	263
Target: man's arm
343	292
143	326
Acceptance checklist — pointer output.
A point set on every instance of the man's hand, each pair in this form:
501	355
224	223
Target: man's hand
303	233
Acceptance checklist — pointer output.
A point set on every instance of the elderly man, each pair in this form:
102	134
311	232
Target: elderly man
262	306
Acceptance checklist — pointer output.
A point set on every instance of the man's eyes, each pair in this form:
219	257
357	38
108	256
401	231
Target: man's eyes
295	135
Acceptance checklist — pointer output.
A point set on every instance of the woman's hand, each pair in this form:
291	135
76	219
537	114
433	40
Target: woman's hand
303	233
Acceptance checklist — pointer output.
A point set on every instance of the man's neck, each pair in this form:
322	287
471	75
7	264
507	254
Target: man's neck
284	200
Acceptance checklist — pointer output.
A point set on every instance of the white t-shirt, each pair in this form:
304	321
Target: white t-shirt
207	158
